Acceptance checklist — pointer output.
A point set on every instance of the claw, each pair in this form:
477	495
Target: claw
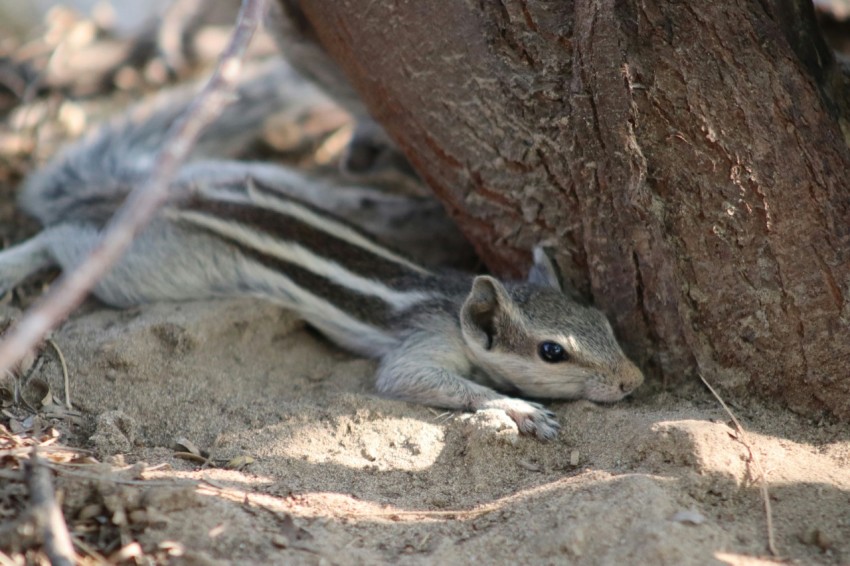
531	418
548	430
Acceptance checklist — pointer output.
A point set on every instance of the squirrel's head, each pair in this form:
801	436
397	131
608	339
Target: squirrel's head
533	337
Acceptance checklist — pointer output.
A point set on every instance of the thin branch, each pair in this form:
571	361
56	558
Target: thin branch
47	515
68	470
742	438
142	202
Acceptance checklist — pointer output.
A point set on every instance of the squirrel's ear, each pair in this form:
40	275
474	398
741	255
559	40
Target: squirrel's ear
543	272
479	315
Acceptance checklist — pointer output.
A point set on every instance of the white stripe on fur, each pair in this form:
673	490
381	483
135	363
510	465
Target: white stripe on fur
301	256
326	225
337	325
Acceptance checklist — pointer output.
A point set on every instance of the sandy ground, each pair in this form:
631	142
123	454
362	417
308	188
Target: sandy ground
332	474
297	461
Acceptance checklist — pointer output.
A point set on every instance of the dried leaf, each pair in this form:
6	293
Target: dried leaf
87	460
36	393
132	550
191	457
186	445
8	384
239	463
172	548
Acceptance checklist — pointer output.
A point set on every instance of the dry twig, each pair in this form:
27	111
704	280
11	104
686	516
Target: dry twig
742	438
89	551
47	515
142	202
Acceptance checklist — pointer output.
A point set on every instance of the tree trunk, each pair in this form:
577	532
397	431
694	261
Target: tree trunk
685	160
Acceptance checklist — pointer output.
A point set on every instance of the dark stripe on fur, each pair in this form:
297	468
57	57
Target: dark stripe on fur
368	309
285	228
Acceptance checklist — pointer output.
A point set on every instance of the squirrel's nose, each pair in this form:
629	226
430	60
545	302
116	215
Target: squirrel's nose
630	377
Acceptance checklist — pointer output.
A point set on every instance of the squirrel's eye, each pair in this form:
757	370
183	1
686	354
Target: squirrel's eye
552	352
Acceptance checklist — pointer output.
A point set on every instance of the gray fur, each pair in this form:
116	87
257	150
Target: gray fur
105	166
244	229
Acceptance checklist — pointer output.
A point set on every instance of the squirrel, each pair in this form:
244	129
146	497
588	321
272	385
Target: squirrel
232	228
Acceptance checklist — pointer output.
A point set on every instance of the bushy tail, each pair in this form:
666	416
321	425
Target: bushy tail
105	165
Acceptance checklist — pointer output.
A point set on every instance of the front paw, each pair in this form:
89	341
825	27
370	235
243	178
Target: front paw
530	418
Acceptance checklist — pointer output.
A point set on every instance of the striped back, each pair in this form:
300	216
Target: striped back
340	279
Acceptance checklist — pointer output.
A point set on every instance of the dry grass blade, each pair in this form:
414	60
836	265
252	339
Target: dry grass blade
65	377
742	438
143	201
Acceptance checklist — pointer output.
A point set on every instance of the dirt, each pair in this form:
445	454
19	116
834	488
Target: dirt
332	474
228	433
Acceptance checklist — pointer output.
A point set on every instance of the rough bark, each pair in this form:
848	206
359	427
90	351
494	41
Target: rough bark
684	159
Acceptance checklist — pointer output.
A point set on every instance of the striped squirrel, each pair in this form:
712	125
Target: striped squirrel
232	228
